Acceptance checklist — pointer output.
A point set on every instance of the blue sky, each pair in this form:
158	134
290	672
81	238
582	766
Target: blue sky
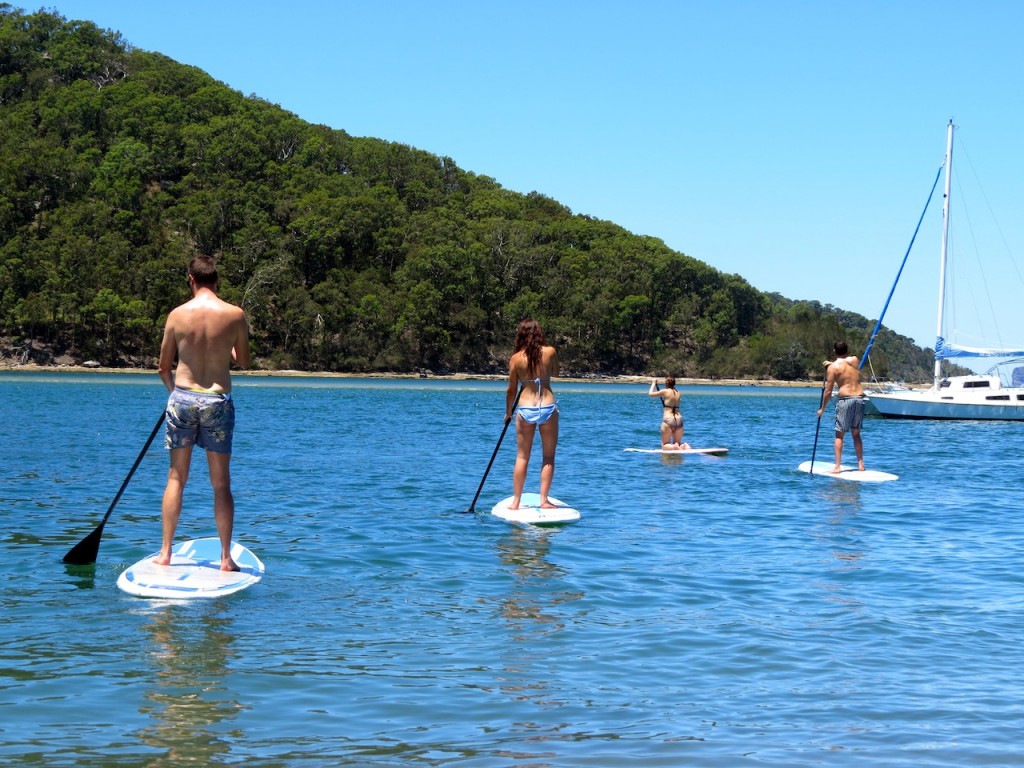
791	142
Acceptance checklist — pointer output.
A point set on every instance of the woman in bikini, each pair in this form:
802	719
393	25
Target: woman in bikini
671	417
532	365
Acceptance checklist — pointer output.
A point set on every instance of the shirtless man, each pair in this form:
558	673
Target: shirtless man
844	372
206	335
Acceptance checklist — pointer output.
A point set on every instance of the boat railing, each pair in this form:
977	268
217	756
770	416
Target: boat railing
884	386
1010	372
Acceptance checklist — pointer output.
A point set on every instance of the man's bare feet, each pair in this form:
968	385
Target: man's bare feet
229	565
548	505
836	471
162	559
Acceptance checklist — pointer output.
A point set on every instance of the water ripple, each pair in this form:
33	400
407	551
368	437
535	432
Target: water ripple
704	611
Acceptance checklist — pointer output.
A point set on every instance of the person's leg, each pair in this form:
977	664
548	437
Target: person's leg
170	508
223	505
858	446
677	436
549	442
666	435
841	425
524	442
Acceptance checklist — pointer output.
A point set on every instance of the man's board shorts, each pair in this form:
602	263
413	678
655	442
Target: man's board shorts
849	413
206	419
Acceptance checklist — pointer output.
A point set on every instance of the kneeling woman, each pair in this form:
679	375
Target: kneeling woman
532	365
671	417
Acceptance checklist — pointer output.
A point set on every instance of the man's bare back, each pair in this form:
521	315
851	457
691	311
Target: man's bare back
844	372
207	334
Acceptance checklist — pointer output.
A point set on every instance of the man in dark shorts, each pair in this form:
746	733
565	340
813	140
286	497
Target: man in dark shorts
844	373
206	335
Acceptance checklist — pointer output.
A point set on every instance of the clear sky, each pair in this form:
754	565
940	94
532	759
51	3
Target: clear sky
792	142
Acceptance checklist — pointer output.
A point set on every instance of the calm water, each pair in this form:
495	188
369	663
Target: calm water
704	612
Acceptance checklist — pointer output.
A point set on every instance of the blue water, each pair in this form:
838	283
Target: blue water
704	612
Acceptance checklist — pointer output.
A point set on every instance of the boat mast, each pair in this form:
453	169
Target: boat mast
942	256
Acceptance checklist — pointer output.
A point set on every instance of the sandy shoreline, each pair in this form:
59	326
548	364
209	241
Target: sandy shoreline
6	366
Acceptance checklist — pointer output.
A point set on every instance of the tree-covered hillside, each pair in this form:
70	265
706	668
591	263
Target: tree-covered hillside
348	254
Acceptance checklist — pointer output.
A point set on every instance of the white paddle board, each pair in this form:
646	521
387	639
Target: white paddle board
530	511
194	572
824	468
682	451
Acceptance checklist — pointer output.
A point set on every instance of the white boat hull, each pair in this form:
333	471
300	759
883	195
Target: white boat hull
960	397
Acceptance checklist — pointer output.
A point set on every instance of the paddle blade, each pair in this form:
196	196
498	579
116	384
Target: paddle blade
85	551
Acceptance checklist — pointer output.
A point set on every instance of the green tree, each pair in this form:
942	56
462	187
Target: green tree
349	253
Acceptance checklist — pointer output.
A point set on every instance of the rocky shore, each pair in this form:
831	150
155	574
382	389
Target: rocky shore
8	365
41	358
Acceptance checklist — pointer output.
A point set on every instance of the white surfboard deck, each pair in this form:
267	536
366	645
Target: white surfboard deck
530	511
682	451
824	468
194	572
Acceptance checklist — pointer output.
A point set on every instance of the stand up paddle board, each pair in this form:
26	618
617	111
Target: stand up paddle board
682	451
194	572
530	511
824	468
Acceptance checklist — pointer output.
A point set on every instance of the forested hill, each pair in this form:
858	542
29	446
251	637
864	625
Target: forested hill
348	254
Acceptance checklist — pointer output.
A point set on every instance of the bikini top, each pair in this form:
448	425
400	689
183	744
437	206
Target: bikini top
675	408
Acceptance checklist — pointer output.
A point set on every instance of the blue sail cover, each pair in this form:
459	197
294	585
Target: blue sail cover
945	350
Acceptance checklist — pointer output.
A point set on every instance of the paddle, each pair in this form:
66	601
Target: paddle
472	506
821	400
85	551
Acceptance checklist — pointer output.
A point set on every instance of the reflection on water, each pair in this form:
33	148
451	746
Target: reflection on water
81	576
534	612
838	530
525	552
190	648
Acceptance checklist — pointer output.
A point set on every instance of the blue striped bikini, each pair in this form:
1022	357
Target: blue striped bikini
537	414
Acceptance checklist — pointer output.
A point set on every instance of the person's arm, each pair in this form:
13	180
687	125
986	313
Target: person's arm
826	391
168	350
510	393
654	391
240	350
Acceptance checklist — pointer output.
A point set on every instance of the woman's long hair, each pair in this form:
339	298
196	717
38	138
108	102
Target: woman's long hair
530	339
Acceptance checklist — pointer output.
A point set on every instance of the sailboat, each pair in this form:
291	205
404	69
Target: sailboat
992	395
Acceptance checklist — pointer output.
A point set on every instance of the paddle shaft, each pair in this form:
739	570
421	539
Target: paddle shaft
84	553
821	404
472	506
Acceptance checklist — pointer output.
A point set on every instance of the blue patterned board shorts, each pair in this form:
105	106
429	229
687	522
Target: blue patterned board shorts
200	418
849	414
